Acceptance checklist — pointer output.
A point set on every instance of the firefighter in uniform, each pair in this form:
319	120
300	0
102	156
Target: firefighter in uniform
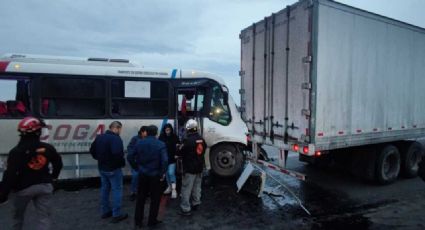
192	153
29	174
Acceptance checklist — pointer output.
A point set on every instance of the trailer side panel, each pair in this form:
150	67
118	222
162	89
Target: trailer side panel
370	70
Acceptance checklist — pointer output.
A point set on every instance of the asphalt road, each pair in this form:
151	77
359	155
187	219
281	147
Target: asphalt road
338	200
335	199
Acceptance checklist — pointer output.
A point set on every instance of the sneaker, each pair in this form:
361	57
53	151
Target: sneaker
173	194
106	215
155	223
168	190
117	219
183	213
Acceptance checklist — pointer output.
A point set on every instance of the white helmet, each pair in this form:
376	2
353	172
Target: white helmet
191	124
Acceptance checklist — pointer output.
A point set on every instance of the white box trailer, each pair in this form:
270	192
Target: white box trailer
319	76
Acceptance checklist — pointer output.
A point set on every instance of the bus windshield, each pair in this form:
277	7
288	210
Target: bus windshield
219	111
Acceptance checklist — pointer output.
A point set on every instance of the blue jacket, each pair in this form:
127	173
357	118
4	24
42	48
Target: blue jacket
108	150
131	147
150	157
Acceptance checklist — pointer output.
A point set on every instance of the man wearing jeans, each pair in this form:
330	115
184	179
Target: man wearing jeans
192	152
108	150
151	160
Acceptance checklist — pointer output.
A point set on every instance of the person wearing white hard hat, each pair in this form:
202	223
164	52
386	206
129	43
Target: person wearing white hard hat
192	153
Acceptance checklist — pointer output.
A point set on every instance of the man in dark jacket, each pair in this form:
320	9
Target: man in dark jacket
192	151
29	174
150	159
130	151
108	150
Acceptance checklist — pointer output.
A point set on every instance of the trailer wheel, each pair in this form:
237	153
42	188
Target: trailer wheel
410	158
226	160
388	165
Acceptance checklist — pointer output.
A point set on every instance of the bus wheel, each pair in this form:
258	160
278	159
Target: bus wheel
226	160
410	158
388	164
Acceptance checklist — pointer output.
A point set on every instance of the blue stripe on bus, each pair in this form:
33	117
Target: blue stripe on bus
174	73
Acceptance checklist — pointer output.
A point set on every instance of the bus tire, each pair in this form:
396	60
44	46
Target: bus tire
387	164
226	160
410	157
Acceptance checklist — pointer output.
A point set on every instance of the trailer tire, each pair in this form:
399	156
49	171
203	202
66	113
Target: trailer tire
226	160
410	158
388	164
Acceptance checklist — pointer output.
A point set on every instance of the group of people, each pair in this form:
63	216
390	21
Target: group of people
152	160
171	141
33	166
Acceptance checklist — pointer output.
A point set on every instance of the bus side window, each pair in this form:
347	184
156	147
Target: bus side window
139	98
3	109
14	98
73	97
48	107
16	108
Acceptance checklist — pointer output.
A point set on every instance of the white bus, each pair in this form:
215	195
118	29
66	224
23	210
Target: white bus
79	98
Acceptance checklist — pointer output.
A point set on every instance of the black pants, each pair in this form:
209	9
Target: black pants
148	185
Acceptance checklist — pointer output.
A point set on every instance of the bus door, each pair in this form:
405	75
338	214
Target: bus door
190	105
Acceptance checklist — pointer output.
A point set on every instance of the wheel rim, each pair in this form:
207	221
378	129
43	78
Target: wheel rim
413	160
390	165
225	159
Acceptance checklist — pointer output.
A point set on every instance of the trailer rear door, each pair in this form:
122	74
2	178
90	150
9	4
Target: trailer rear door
275	72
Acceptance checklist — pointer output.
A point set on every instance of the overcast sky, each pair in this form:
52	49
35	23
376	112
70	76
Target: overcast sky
189	34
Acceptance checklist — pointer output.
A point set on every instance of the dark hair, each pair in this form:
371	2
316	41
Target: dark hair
152	130
164	135
115	124
142	129
168	125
